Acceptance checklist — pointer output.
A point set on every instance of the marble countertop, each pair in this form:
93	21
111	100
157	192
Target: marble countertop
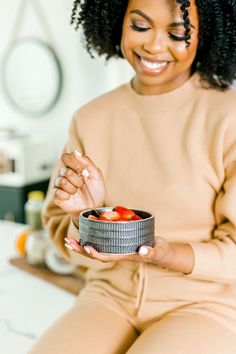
28	305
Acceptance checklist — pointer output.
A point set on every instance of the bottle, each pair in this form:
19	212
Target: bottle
33	209
37	242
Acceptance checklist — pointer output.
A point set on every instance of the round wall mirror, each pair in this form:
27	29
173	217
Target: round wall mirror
32	76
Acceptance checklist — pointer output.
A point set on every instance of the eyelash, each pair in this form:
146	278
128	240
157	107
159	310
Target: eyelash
139	29
176	38
144	29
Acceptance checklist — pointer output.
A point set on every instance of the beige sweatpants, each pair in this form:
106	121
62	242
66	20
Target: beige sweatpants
125	311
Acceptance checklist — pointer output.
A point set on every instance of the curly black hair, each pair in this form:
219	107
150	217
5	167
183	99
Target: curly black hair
216	55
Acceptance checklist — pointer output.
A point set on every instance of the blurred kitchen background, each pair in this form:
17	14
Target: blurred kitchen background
45	75
40	90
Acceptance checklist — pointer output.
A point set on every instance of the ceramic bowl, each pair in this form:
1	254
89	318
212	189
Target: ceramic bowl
116	237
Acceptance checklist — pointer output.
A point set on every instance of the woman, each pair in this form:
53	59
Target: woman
165	143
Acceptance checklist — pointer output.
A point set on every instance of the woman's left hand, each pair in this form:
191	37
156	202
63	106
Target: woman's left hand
156	254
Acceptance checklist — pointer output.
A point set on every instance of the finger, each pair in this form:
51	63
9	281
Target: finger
67	185
64	184
72	162
90	169
73	177
146	252
160	249
109	257
60	195
78	164
72	244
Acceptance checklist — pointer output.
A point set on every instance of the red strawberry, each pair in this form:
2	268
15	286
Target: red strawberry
136	217
125	213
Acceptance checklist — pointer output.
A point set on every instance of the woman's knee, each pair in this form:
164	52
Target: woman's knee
184	334
89	327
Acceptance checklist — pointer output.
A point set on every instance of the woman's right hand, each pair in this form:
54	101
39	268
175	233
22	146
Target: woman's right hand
78	175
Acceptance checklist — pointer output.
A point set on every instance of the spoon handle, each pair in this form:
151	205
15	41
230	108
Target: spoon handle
90	195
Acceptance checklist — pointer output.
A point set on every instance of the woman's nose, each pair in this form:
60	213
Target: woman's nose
156	43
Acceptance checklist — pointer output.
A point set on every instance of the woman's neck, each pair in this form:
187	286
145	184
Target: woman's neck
143	89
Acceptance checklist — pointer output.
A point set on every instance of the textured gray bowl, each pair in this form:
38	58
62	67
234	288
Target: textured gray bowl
117	237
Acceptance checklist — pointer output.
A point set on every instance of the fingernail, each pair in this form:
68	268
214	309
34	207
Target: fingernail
53	192
68	246
63	171
87	249
143	251
71	241
85	173
57	182
77	153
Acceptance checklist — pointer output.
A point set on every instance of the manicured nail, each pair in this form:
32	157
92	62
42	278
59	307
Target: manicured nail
143	251
85	173
77	153
63	171
53	192
68	246
87	249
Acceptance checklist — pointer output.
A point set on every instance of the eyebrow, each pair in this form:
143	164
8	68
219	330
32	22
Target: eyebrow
174	24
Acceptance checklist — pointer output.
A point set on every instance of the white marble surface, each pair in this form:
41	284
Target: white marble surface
28	305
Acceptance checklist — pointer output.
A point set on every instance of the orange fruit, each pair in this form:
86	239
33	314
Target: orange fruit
20	242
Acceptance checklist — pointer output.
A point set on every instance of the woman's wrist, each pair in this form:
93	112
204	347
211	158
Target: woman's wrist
179	258
75	220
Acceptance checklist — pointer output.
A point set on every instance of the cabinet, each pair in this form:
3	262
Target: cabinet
12	200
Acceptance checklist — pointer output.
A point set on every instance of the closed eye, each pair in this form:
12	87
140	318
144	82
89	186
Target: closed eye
176	38
139	29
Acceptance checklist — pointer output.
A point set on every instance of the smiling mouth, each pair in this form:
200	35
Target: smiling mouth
152	66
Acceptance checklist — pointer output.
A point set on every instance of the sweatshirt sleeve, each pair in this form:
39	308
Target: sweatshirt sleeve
215	260
55	220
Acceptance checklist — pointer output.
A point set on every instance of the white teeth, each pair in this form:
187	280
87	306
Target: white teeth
152	65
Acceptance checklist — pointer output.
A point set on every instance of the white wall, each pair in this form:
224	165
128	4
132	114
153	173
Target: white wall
84	78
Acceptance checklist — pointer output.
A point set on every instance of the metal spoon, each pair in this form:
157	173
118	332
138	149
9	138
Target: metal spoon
85	174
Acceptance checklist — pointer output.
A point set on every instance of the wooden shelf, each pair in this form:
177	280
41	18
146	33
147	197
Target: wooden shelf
70	283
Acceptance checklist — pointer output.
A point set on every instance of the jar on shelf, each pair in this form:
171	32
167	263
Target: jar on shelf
33	208
36	247
37	241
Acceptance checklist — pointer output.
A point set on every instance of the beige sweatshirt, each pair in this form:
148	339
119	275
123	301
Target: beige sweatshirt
172	154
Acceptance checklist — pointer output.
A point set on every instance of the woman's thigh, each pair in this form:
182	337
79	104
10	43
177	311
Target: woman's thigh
185	334
88	328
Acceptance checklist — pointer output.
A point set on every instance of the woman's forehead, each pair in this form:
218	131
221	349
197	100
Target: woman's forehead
156	5
167	10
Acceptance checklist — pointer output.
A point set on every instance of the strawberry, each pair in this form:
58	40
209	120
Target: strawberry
103	219
119	213
136	217
125	213
92	217
110	215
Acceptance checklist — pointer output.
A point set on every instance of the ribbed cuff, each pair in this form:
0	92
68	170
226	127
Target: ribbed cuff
75	221
207	261
73	230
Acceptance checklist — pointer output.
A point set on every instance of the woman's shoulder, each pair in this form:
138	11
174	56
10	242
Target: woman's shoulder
220	107
218	99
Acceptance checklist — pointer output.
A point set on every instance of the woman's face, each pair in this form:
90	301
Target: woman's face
152	42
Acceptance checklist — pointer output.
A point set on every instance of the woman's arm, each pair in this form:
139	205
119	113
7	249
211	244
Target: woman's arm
56	218
174	256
